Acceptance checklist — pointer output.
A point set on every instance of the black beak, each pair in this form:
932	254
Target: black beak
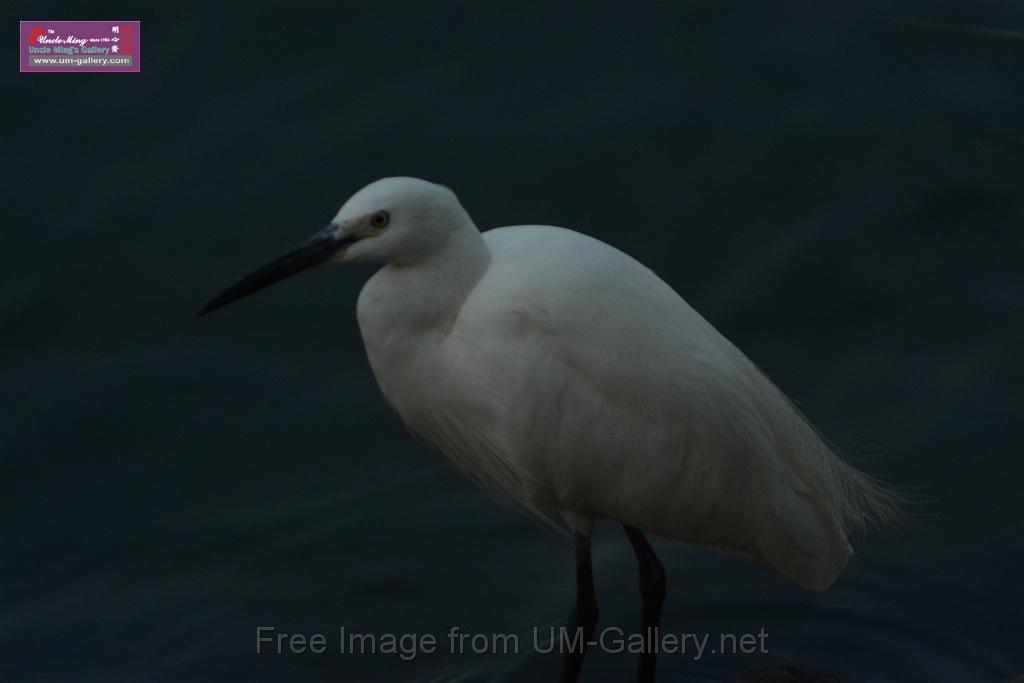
313	252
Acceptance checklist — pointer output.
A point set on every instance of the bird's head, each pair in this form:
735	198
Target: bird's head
397	220
392	220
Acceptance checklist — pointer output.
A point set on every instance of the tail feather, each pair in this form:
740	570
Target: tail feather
823	497
861	502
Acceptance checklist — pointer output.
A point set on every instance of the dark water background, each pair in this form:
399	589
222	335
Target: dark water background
835	186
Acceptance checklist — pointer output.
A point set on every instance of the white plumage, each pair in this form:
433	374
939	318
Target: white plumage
566	377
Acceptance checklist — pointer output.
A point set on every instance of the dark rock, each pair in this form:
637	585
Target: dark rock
782	674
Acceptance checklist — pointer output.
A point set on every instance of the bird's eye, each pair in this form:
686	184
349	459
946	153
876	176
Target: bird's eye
380	219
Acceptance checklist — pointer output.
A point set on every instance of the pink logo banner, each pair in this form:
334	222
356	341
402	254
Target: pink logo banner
81	46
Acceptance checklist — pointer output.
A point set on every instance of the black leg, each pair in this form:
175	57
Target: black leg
652	595
584	618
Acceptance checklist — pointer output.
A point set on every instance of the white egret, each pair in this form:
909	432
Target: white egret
567	378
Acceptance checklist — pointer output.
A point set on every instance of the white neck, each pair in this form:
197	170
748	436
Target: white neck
424	296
